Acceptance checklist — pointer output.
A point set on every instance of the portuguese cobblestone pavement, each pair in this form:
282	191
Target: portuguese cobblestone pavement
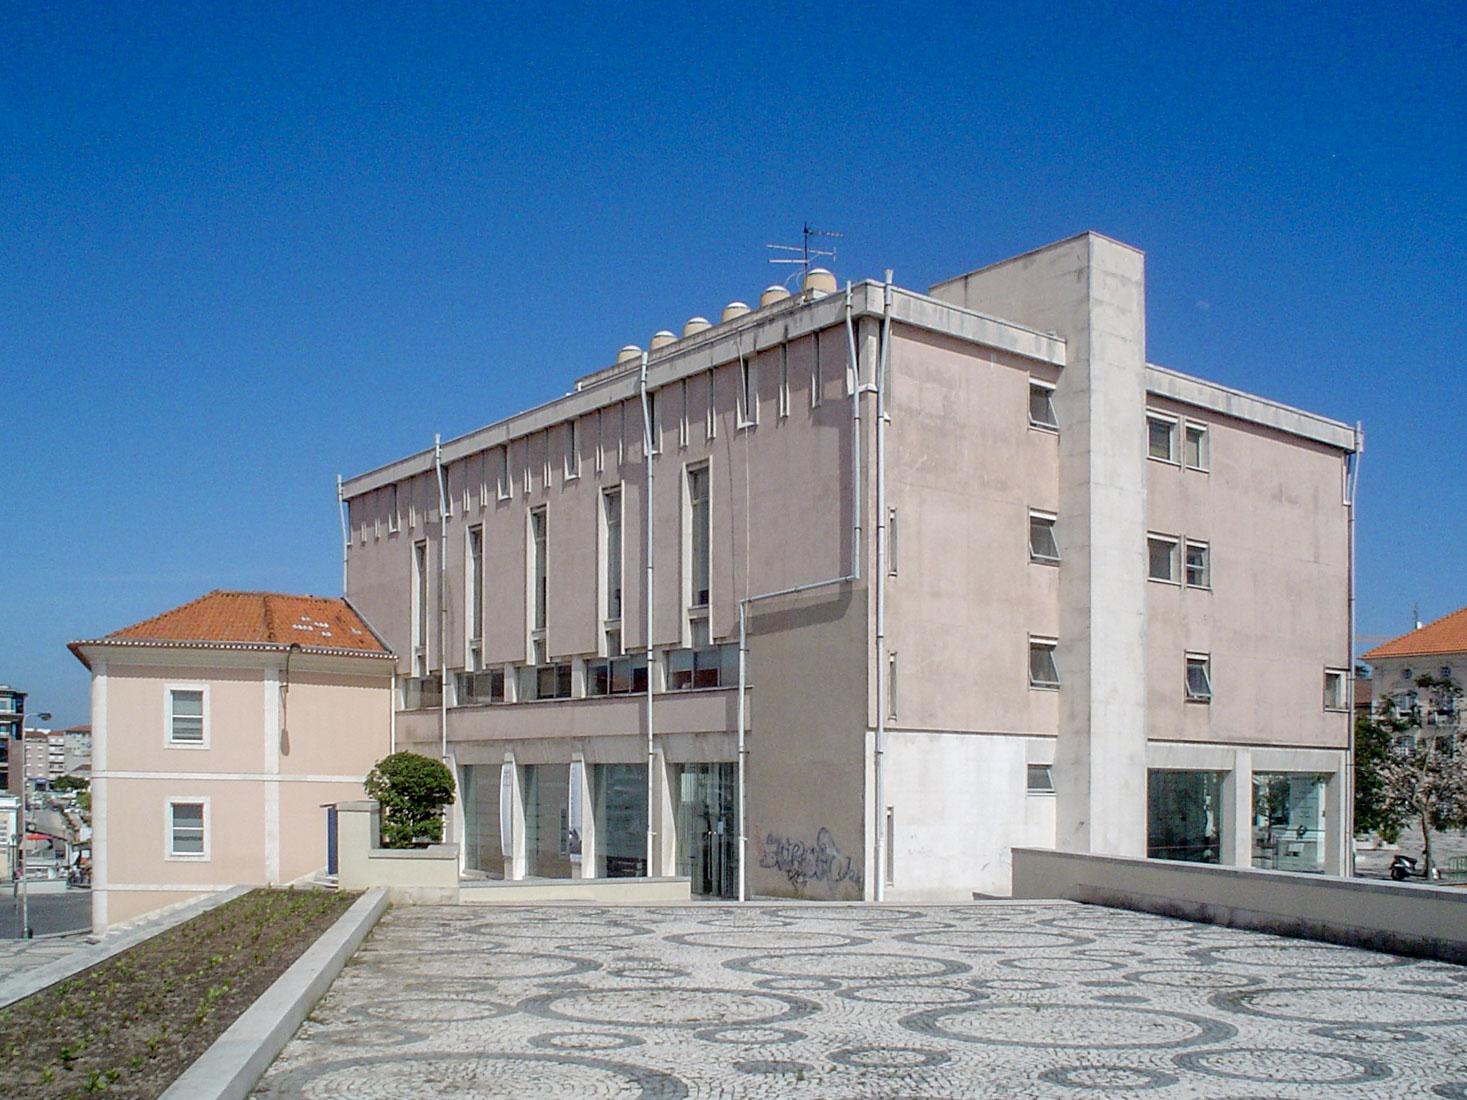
993	999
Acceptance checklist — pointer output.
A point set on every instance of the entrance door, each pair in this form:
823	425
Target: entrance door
707	828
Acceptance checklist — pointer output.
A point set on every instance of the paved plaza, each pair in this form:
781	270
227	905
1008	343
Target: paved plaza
994	999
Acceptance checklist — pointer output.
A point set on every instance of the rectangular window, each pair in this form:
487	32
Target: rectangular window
618	674
186	716
572	449
543	681
445	493
1185	816
1289	821
501	473
653	426
890	845
1336	695
1199	678
475	590
891	685
682	420
486	686
611	518
599	461
188	830
1161	438
1194	446
815	394
700	537
539	573
1161	558
1040	779
394	519
748	396
1041	407
1042	545
420	608
1199	567
710	421
1043	673
784	380
703	666
891	541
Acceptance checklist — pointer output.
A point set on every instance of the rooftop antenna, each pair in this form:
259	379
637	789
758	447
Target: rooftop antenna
803	251
1416	614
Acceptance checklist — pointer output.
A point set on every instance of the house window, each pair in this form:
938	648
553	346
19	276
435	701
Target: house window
445	494
1194	446
1161	438
710	420
1041	780
543	681
1199	678
618	674
700	537
703	665
475	589
1199	567
748	397
186	716
891	685
1041	407
784	380
501	475
815	393
653	426
1336	697
891	541
599	450
188	829
1161	558
394	520
1043	672
539	573
481	687
420	608
682	420
572	450
611	519
1042	545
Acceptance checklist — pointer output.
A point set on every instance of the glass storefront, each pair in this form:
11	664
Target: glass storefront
1288	821
707	828
479	791
621	819
548	833
1184	817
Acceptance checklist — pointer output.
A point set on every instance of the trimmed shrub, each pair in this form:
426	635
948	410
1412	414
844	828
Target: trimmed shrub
413	791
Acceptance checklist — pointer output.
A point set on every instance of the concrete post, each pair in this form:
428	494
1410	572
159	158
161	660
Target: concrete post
1237	824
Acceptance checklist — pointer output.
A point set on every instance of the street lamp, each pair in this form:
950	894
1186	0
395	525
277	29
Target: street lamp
25	805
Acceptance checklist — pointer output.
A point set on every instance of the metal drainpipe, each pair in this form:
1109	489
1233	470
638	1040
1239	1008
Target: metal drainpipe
743	750
1347	791
882	855
651	740
442	601
345	533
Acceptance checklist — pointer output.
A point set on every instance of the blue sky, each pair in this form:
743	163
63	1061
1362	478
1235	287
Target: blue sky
248	248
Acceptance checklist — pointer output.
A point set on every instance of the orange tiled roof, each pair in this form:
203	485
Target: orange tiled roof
256	619
1446	635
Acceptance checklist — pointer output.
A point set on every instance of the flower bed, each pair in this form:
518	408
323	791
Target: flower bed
129	1026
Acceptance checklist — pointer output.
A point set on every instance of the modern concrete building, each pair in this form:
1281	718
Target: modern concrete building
995	580
219	730
1436	653
12	721
76	742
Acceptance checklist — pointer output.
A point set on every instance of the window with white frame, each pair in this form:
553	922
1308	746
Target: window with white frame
1043	672
891	541
1336	689
710	417
1161	558
1199	678
1042	545
1194	446
611	544
815	394
572	449
598	451
501	472
1041	407
445	493
748	395
784	379
653	426
187	828
700	537
682	420
1161	438
539	570
1198	565
186	724
891	685
621	433
394	518
420	608
1040	779
474	588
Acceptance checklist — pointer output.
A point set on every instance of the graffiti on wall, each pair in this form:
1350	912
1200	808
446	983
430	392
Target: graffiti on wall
803	863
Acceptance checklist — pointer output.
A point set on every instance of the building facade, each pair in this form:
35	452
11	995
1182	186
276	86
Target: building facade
219	729
1413	676
986	576
12	722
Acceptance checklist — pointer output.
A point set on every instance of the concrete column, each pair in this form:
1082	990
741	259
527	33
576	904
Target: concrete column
512	811
664	802
1237	824
586	817
1336	836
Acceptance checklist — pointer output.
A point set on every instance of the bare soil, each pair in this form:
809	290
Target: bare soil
128	1027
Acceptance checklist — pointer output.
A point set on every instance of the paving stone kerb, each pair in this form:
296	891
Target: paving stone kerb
32	980
232	1065
1037	999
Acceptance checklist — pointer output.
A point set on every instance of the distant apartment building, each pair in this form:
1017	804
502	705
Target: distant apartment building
1410	677
12	721
219	729
847	594
76	751
38	755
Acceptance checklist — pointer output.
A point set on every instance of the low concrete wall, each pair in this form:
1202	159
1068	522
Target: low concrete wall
619	891
411	876
1406	919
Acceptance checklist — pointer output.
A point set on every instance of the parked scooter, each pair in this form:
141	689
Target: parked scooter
1404	867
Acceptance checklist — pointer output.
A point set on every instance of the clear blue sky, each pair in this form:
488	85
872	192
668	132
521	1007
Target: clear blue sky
249	247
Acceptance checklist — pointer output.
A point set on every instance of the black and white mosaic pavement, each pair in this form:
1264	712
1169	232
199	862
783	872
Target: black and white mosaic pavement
1031	999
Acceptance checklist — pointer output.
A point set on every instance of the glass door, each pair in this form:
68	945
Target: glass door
707	828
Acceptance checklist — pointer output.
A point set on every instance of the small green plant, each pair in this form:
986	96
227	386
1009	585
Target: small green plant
413	790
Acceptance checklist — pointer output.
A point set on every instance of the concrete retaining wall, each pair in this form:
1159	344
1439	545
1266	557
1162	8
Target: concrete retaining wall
411	876
1406	919
622	891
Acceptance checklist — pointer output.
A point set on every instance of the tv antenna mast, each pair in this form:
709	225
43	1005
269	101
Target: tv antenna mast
803	252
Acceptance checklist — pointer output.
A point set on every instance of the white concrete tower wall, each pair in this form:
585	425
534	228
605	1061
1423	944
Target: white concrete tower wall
1091	291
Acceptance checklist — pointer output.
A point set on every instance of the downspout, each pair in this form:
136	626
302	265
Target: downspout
442	601
647	591
851	577
345	533
882	855
1347	793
